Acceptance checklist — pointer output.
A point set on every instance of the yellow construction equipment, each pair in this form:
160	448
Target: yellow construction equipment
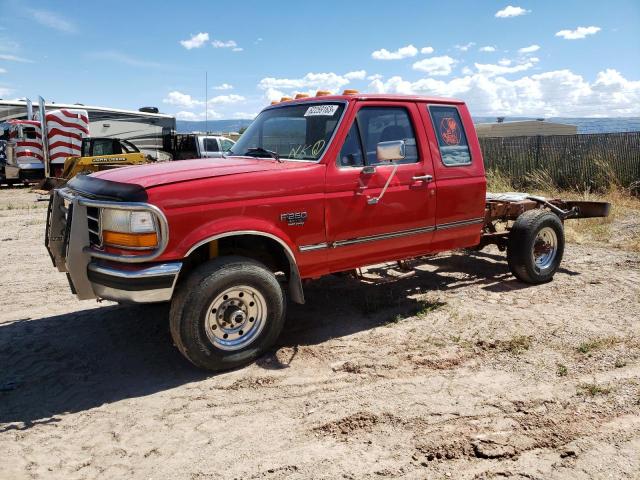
102	154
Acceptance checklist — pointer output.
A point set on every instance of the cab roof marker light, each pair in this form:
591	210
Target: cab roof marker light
302	95
322	93
285	99
350	91
275	102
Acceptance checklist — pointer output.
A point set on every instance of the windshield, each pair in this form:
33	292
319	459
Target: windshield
295	132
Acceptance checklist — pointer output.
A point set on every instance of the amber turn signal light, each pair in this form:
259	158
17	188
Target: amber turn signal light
302	95
350	91
130	240
322	93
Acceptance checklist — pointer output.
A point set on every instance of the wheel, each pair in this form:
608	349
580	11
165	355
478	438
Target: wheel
226	313
535	246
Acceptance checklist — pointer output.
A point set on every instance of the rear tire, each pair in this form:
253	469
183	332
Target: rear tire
226	313
535	246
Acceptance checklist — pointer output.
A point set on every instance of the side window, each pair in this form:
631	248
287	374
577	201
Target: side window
384	124
351	152
103	146
211	145
452	139
226	144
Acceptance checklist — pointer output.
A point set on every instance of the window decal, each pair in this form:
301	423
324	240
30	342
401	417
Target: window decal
449	131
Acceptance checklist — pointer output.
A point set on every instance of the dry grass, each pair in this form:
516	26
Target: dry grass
593	389
621	229
598	344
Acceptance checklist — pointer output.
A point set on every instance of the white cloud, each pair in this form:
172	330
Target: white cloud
196	41
491	70
182	100
222	44
326	81
356	75
375	76
13	58
555	93
488	48
232	98
223	86
2	70
402	52
465	47
427	50
578	33
243	115
529	49
435	65
52	20
504	62
125	59
4	92
466	71
511	11
193	116
237	49
272	94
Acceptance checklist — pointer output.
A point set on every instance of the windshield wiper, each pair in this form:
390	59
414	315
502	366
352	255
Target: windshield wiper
264	151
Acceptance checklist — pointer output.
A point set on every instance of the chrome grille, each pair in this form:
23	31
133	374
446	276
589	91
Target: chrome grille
93	224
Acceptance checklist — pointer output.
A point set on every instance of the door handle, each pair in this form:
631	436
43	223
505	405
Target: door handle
424	178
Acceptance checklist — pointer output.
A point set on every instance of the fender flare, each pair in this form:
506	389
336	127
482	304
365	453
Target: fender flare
295	282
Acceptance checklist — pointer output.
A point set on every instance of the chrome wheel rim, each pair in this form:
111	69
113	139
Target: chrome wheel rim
236	317
545	248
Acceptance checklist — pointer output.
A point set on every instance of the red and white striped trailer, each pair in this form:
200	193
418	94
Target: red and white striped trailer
25	150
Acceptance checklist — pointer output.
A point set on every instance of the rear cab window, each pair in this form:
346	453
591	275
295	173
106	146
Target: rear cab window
452	139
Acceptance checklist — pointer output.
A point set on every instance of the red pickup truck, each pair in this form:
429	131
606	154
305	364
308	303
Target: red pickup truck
314	186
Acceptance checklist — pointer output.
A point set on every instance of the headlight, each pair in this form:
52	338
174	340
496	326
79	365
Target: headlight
129	229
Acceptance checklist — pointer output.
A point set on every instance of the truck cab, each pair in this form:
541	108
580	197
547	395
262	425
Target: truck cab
190	145
22	151
314	186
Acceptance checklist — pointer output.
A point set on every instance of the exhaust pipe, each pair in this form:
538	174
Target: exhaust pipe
45	136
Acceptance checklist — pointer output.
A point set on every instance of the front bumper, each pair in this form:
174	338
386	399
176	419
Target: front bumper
93	273
32	171
149	284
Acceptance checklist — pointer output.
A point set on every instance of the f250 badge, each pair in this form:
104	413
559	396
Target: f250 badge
294	219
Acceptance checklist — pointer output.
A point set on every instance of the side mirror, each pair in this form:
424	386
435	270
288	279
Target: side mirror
390	151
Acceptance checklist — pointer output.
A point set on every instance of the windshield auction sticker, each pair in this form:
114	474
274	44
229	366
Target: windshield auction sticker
321	110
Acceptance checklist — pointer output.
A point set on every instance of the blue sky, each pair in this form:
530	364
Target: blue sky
553	58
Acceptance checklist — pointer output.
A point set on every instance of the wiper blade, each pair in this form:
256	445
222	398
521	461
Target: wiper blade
264	151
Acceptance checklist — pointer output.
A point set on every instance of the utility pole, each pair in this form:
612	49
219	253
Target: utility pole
206	101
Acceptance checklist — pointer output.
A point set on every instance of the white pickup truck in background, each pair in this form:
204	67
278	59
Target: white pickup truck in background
193	145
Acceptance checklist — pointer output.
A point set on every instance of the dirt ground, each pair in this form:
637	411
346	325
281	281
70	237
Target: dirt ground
451	370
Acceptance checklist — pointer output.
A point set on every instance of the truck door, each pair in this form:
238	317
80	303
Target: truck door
211	147
459	171
401	223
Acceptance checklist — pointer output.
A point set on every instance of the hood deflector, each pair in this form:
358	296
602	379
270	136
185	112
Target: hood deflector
98	188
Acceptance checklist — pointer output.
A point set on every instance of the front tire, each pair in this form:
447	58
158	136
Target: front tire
226	313
535	246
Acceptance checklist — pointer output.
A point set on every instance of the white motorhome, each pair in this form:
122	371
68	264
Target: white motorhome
147	129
